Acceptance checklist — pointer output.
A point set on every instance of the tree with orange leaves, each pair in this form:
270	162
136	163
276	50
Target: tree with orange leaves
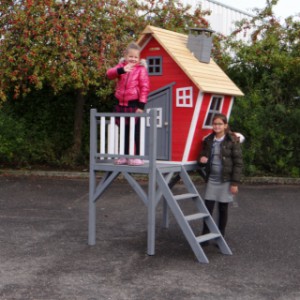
68	45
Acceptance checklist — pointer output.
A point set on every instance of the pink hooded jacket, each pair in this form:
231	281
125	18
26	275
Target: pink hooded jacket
130	86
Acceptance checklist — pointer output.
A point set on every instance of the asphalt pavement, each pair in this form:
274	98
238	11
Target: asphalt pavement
44	253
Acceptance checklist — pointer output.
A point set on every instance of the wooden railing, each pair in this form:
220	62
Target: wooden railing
107	135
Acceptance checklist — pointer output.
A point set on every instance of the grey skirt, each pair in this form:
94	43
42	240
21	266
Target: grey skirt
218	191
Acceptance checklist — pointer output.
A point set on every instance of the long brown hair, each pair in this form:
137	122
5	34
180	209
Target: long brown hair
225	121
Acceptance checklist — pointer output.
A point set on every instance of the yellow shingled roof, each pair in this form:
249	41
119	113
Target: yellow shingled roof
207	77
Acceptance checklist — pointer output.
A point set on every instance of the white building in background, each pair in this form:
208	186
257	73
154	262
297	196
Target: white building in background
223	17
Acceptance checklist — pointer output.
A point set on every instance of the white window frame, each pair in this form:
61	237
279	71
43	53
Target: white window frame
184	97
212	109
159	117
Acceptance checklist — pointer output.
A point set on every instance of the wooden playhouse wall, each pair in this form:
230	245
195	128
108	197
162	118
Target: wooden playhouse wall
181	116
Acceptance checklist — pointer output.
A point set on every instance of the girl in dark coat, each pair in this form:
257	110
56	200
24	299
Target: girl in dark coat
222	156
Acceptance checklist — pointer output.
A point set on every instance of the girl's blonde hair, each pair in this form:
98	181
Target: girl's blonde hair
133	46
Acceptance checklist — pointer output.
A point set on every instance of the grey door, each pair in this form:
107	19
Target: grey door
162	100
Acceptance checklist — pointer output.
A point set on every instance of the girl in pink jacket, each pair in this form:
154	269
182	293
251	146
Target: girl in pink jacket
132	91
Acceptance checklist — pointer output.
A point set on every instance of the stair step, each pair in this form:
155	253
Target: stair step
185	196
196	216
207	237
183	220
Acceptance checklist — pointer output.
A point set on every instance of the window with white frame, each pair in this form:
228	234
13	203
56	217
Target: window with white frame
215	107
158	119
184	97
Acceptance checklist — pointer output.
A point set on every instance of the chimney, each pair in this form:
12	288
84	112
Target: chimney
200	43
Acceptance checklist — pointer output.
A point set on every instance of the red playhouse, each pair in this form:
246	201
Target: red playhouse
187	88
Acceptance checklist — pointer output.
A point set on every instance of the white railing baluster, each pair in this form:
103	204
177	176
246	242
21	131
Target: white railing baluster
116	142
111	136
142	135
132	135
122	135
102	136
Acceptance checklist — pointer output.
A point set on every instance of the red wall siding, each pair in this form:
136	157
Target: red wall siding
181	118
226	105
200	133
154	49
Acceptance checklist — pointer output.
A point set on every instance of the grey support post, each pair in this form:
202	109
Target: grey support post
92	182
152	182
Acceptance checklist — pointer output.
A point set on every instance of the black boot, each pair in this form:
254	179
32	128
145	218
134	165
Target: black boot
223	216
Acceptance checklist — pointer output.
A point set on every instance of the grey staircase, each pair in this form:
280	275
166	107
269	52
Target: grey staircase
186	219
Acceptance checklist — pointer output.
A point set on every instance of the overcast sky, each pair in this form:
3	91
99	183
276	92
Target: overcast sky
283	9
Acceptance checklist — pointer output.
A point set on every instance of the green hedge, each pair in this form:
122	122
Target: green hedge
38	130
272	137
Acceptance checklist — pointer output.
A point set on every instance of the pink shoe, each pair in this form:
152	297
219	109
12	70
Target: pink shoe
135	162
121	161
